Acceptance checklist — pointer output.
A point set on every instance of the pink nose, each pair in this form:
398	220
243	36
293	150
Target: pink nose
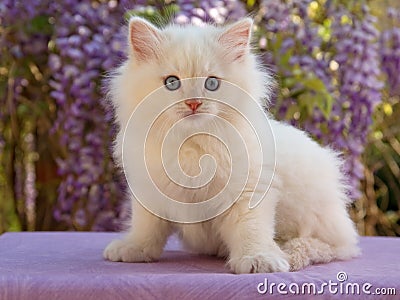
193	104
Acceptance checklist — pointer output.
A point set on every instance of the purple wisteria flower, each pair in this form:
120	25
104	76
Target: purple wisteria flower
214	11
390	51
357	55
346	67
88	41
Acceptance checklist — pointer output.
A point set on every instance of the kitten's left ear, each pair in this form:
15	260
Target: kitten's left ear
144	39
236	39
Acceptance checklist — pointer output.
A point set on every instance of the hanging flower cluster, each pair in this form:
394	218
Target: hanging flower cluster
329	72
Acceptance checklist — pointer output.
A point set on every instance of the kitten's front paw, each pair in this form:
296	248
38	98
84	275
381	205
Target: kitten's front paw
260	263
125	251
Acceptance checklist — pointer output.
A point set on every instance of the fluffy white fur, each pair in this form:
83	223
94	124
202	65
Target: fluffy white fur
304	218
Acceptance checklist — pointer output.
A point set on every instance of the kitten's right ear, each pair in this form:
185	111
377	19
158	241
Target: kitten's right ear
144	39
236	39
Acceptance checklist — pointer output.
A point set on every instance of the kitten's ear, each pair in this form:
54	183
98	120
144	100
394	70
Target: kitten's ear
144	39
236	39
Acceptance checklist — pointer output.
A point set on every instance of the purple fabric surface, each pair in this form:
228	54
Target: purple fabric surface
65	265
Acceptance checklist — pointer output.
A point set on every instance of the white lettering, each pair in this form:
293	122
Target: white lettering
281	288
262	287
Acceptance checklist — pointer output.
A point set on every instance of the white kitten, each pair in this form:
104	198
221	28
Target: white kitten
303	219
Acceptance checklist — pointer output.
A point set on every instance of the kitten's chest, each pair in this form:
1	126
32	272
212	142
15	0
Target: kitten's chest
201	238
199	160
195	172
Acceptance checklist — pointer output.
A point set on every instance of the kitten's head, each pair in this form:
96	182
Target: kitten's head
167	57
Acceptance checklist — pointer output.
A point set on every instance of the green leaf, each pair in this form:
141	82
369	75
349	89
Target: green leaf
314	84
40	24
157	17
291	111
277	45
23	110
307	102
147	13
169	11
325	104
288	82
284	59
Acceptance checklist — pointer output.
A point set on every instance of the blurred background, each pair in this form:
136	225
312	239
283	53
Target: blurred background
337	63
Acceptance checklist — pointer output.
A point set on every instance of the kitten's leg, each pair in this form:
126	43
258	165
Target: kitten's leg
145	240
341	236
249	236
305	251
334	237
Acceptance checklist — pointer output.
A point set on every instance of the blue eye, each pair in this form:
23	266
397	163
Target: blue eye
212	83
172	83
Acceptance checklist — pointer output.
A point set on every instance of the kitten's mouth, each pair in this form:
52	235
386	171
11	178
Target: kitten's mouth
191	113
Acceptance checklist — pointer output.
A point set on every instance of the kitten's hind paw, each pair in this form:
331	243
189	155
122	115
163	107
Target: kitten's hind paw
260	263
125	251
